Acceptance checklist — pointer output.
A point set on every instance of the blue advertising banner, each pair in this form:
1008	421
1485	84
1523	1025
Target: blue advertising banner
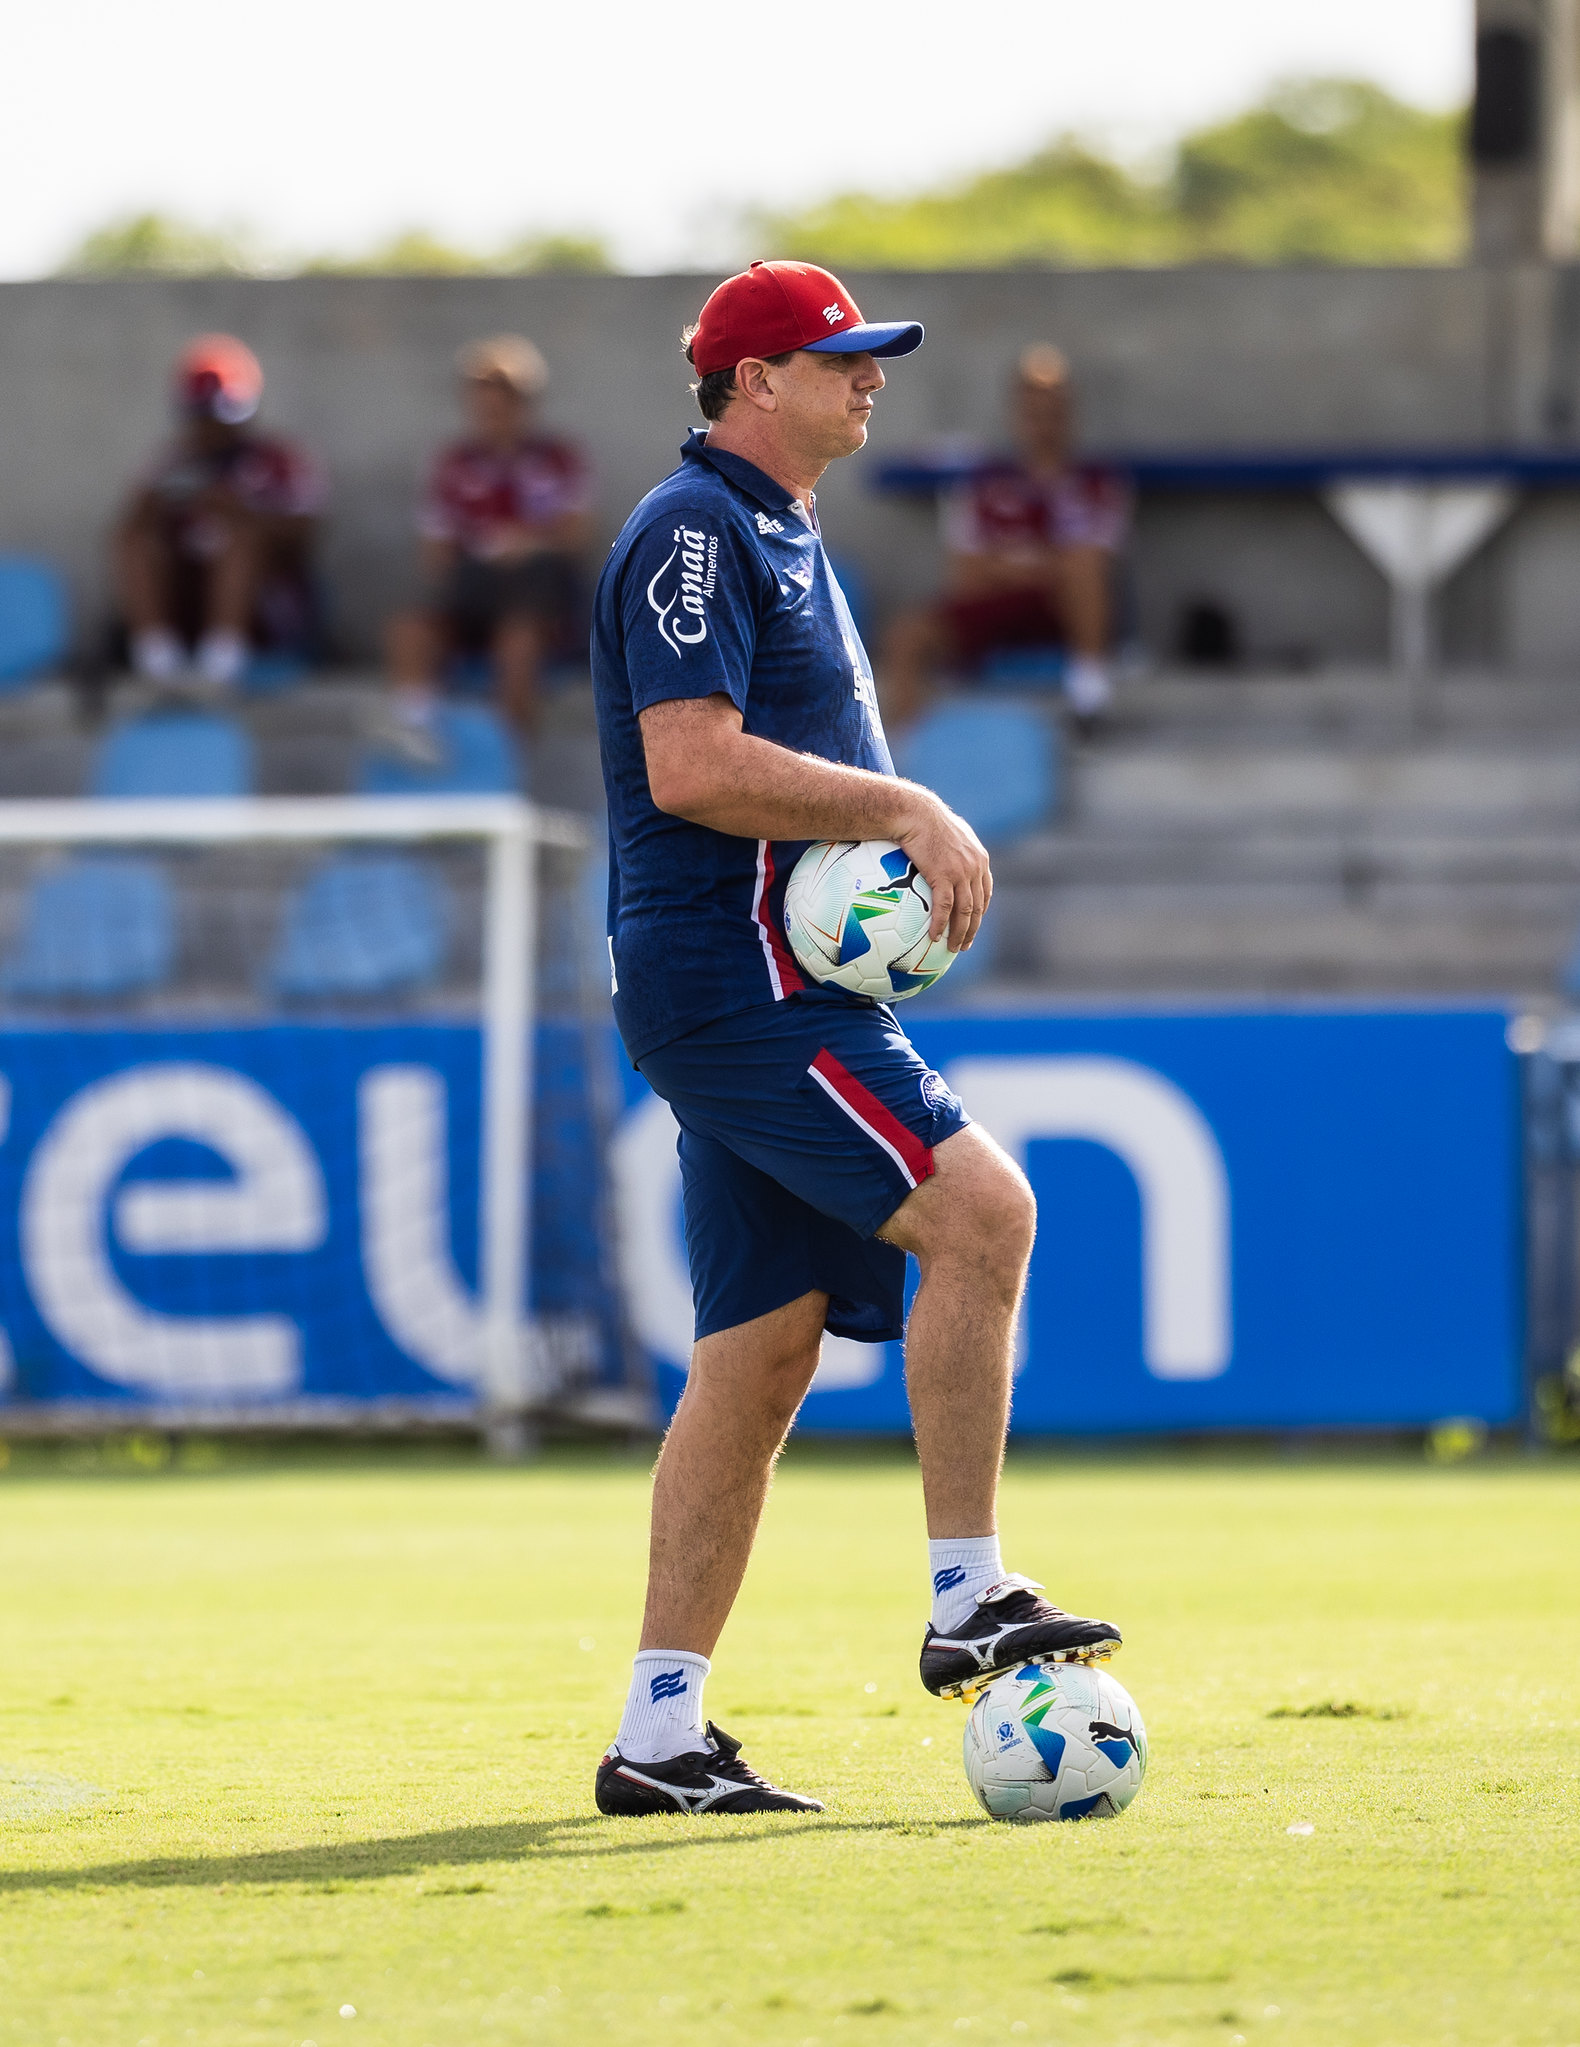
1268	1220
280	1214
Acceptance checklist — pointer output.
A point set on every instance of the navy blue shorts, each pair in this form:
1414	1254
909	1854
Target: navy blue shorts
803	1126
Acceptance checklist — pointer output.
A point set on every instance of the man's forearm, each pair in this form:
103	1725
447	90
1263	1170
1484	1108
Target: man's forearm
767	792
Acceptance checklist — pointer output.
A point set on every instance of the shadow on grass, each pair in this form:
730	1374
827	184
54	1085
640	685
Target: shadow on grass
340	1864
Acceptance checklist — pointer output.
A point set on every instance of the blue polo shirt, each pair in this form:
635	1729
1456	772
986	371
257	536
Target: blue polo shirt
717	585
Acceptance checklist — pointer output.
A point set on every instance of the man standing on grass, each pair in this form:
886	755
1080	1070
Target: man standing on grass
738	724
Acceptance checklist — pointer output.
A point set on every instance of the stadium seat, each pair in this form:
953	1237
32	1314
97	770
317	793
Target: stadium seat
997	764
1023	668
365	924
1569	977
176	753
97	926
852	579
480	760
33	619
272	674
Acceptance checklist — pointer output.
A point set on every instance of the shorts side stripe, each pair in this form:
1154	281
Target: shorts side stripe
782	975
914	1159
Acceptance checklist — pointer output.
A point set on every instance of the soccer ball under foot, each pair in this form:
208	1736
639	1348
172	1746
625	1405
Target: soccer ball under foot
1055	1741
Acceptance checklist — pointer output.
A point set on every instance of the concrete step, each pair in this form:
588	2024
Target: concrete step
1187	784
1363	701
1353	861
1076	940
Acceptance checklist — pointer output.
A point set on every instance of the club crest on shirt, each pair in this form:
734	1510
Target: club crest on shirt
680	589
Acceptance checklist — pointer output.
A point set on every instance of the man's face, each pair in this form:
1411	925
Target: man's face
825	401
495	410
1042	416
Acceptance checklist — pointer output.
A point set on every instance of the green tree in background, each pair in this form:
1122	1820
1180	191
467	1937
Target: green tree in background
1321	171
156	245
415	252
1324	171
1330	171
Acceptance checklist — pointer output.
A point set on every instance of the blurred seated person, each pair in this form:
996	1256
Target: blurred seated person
504	524
213	551
1030	543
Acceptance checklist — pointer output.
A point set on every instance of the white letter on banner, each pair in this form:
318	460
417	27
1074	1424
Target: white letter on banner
405	1197
654	1274
275	1202
7	1358
1169	1146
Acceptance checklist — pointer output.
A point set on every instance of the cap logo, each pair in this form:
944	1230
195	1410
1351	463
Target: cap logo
834	314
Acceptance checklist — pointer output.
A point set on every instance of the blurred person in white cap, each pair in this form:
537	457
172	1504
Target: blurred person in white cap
212	552
1031	541
504	524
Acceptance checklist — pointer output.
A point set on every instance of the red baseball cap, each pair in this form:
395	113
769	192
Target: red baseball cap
776	307
218	377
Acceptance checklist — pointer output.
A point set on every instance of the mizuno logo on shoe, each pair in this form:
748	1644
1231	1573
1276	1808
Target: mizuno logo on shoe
669	1684
687	1797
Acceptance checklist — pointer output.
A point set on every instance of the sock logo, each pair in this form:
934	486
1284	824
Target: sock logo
947	1579
669	1684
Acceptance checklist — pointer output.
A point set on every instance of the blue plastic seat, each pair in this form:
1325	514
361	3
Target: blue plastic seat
33	619
176	753
480	760
997	764
98	926
1023	668
364	924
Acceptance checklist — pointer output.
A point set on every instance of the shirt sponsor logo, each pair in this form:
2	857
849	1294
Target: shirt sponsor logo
767	525
682	618
866	690
834	314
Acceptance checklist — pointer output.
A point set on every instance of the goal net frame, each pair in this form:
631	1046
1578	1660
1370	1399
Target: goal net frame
512	832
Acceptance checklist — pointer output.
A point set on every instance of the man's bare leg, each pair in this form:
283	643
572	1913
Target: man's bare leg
520	646
714	1470
971	1227
914	648
1081	580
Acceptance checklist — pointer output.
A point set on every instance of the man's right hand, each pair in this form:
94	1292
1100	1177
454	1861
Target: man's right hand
955	863
703	766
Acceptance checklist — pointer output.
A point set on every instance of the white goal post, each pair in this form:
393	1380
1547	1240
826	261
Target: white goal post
511	832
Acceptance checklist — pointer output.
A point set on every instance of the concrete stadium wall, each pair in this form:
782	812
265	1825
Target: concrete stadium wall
360	369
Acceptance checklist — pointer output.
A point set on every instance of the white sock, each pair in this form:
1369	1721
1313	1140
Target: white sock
663	1709
157	654
1087	684
962	1566
221	656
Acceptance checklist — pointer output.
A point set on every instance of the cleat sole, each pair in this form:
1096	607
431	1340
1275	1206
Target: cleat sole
970	1689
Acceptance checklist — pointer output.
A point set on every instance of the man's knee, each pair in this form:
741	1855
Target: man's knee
977	1207
768	1363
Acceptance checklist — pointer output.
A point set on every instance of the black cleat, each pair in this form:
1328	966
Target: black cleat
713	1779
1011	1625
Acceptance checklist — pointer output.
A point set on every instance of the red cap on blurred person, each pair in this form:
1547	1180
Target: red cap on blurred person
776	307
218	377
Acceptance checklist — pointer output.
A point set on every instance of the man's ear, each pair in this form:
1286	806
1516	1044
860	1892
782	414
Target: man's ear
753	380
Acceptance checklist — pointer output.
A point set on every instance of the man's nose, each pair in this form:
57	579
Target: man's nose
869	377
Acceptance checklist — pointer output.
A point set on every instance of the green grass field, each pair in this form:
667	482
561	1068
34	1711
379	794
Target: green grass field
279	1741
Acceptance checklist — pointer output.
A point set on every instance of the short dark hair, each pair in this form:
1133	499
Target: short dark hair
715	390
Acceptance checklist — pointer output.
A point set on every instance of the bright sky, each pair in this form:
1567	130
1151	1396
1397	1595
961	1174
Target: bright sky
328	123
